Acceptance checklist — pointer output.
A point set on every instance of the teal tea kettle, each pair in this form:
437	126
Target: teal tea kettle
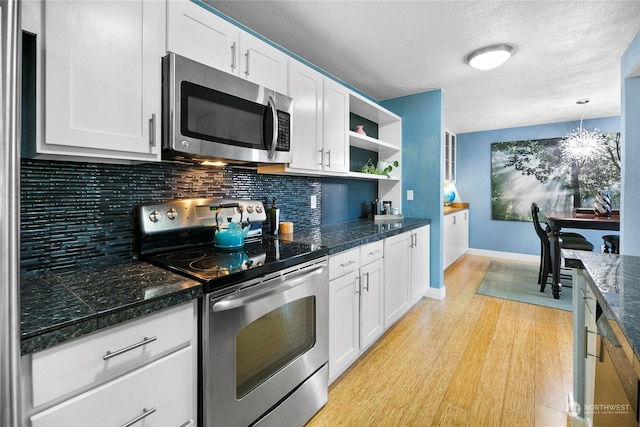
230	235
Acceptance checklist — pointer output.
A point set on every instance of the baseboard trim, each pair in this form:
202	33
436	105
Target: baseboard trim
436	293
505	255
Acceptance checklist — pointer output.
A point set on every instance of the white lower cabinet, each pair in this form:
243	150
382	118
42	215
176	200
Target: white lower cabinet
420	260
397	263
371	320
144	369
355	304
159	393
455	235
344	346
406	266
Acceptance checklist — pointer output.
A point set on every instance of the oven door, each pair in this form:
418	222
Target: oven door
264	343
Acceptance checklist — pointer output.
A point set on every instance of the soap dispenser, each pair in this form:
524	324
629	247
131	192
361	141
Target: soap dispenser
274	217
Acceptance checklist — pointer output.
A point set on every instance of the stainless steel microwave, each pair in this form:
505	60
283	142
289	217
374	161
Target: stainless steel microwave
209	114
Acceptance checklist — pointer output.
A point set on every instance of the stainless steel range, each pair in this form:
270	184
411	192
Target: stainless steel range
264	317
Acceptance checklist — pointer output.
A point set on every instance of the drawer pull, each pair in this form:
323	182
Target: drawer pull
145	413
111	354
346	264
585	294
377	251
586	345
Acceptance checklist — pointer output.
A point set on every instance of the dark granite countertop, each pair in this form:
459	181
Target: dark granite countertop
346	235
616	282
58	307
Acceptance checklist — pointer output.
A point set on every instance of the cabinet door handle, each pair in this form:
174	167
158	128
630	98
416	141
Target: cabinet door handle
145	413
367	287
144	341
321	151
586	341
328	158
454	220
152	130
359	285
233	56
584	294
248	62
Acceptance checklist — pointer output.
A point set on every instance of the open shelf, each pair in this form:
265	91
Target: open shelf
372	111
371	176
371	144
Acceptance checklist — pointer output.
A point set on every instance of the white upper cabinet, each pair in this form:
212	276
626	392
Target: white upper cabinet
305	87
335	112
262	63
201	35
198	34
102	79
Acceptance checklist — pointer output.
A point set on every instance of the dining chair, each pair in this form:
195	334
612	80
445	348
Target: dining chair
611	243
568	241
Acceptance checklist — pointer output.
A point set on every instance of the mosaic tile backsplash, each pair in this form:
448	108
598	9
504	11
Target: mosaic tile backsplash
81	213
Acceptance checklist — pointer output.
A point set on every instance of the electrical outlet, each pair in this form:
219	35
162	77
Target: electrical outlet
409	194
314	202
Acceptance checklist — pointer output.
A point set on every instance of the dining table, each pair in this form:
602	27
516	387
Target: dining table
580	219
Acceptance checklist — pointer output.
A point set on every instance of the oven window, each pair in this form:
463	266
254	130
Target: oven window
271	342
219	117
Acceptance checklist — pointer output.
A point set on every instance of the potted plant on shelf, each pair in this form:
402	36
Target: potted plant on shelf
383	168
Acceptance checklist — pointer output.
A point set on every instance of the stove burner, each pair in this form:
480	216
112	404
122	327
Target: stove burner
187	256
231	261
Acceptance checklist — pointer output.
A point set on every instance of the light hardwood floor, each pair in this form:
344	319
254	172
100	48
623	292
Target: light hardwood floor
467	360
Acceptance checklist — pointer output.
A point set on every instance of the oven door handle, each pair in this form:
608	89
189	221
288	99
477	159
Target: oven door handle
282	282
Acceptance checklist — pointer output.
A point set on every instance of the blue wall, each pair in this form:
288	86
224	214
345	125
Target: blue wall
630	129
422	134
474	185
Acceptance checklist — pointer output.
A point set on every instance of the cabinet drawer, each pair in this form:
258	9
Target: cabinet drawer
163	389
371	252
93	359
344	262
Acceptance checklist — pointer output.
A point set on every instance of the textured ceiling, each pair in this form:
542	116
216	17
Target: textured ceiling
564	51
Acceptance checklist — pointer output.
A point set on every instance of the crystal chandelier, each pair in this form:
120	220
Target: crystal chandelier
582	144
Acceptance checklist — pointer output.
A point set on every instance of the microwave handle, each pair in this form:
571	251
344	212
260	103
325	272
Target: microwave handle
272	105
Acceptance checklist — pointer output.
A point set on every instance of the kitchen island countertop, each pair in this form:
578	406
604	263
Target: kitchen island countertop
58	307
617	280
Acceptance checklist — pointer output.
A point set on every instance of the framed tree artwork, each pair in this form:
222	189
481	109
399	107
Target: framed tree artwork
559	174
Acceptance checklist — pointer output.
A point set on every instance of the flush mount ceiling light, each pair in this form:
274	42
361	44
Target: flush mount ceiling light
489	57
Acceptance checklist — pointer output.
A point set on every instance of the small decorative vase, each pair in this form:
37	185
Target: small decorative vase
603	203
360	130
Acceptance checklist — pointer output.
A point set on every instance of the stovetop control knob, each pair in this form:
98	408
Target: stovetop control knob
240	208
155	216
249	209
172	214
259	208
